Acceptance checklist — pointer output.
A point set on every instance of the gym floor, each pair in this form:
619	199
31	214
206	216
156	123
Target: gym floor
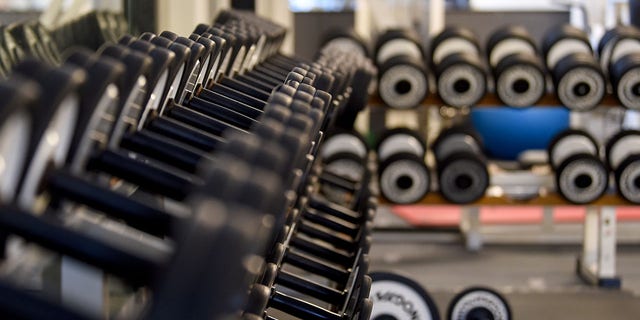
539	281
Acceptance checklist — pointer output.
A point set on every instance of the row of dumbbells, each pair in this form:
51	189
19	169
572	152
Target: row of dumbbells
403	175
31	38
582	168
224	131
511	65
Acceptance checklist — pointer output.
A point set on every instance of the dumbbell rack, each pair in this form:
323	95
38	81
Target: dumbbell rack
596	263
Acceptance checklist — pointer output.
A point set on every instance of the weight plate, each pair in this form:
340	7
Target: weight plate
452	40
628	179
345	41
509	40
568	143
616	43
461	80
404	178
563	40
18	99
479	303
400	140
98	105
53	122
579	81
520	80
624	75
396	297
462	178
403	83
620	146
397	42
582	179
346	164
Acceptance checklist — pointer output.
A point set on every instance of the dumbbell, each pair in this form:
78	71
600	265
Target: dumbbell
619	51
616	43
345	40
460	74
462	171
344	153
189	272
622	155
86	243
16	113
518	73
403	81
403	175
29	41
6	57
579	82
581	177
53	123
15	52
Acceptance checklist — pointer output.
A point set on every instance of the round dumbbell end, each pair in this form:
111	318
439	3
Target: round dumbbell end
628	179
404	178
581	179
463	178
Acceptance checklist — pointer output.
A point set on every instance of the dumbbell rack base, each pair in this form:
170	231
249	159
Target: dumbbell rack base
596	265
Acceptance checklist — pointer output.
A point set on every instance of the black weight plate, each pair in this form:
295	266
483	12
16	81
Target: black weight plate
616	138
454	32
624	75
581	179
463	129
562	32
395	34
613	33
387	134
463	177
563	135
19	96
520	80
97	99
479	303
508	32
461	80
401	298
628	179
579	81
404	178
403	82
347	39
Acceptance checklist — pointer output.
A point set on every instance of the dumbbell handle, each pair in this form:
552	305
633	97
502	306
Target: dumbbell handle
147	176
179	131
63	185
154	146
339	257
302	285
119	260
201	121
299	308
314	266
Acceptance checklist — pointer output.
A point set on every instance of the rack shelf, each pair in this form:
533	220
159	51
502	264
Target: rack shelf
552	199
